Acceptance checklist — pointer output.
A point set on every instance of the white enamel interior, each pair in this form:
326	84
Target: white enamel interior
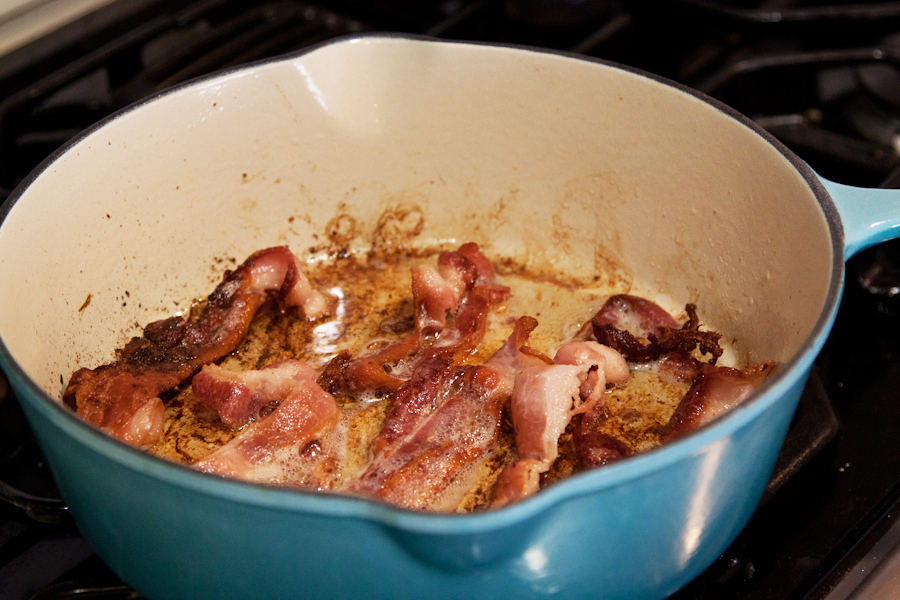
564	164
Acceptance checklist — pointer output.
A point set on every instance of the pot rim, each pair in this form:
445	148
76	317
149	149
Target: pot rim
342	505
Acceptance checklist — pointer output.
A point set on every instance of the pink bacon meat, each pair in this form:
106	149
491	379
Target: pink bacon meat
266	450
122	398
443	419
715	391
463	285
544	399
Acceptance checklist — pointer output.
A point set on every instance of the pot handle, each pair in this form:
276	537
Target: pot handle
869	216
43	510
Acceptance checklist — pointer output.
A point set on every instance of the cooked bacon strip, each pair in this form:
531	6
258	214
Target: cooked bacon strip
543	402
463	284
639	316
439	291
517	481
486	276
715	391
372	372
603	365
522	477
306	412
516	355
595	448
449	416
122	398
388	368
679	367
417	399
541	406
461	340
245	396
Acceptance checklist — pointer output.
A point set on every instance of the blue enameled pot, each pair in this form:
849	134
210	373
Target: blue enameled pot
585	169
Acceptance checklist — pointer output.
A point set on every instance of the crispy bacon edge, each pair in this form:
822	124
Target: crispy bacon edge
122	398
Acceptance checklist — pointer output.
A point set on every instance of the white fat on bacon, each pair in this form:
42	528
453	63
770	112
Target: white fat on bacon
266	451
544	399
610	368
284	270
437	295
240	396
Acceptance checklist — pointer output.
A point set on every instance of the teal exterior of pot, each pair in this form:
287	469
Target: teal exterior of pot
636	530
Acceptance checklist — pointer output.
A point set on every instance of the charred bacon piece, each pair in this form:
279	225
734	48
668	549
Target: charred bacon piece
122	398
713	390
623	319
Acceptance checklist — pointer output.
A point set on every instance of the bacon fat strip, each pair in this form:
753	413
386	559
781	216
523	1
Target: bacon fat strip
306	412
122	398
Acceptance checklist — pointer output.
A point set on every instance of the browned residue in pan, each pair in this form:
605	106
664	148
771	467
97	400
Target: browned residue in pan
398	224
341	230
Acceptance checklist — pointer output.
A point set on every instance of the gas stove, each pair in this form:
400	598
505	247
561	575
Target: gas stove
823	78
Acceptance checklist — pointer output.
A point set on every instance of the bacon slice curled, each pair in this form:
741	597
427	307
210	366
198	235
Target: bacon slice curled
443	419
544	399
305	413
122	398
463	285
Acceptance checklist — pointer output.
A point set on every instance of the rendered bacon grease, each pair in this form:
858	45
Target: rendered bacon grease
432	400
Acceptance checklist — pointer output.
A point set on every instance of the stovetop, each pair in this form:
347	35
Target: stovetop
823	78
